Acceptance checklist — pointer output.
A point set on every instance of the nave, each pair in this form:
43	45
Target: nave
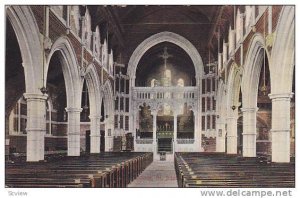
93	100
138	170
158	174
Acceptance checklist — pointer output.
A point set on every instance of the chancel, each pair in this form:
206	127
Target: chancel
150	96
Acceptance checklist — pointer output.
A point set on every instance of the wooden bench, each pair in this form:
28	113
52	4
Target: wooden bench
94	170
218	170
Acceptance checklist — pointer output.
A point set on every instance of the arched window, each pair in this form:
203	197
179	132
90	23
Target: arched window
153	82
167	78
180	82
168	74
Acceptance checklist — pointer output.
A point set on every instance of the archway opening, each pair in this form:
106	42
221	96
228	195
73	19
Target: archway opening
292	117
15	104
57	94
264	113
102	127
85	103
240	127
165	128
165	64
84	119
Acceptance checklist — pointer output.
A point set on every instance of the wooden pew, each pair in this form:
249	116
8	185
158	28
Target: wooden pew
95	170
216	170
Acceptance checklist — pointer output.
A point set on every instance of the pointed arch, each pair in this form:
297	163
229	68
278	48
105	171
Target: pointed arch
93	84
233	87
165	37
252	69
283	53
108	98
28	35
70	70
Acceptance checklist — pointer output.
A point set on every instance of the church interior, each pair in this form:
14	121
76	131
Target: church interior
149	96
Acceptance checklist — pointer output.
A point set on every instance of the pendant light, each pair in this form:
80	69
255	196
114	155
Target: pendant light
44	89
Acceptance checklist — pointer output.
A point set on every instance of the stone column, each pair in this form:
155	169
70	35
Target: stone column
73	131
95	134
197	117
232	135
220	135
36	126
249	132
108	135
135	117
154	114
106	138
197	131
175	132
281	127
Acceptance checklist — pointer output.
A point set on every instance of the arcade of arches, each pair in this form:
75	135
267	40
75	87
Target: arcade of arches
159	79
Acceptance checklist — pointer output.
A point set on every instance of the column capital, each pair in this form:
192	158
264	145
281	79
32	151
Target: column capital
94	117
232	118
280	130
154	112
37	96
281	96
175	114
73	109
251	109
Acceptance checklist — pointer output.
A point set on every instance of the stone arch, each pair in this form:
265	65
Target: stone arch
283	53
27	32
108	98
165	37
70	70
252	69
93	84
250	82
233	88
281	72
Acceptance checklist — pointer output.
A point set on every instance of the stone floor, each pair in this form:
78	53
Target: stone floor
156	175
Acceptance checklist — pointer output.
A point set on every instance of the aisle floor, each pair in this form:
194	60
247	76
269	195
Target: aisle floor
159	174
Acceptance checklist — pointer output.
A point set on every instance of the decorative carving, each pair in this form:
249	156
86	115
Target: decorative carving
270	39
82	72
47	44
185	141
97	44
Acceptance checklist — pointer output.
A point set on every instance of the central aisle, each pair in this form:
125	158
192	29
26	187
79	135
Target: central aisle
157	174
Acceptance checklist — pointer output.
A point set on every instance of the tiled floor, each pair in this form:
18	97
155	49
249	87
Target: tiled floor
158	174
